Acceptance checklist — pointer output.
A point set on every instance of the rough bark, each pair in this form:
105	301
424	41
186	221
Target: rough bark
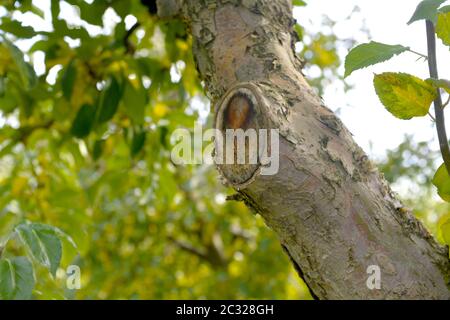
331	209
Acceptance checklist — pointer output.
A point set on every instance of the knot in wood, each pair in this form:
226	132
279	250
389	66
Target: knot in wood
239	120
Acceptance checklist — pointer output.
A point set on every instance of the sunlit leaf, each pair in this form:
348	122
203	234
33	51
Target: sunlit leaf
443	28
404	95
298	3
322	56
445	230
441	180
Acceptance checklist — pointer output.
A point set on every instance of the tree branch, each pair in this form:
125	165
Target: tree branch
126	40
189	248
438	108
326	195
213	253
447	102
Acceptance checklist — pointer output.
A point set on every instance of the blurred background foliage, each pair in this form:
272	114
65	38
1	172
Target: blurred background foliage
90	92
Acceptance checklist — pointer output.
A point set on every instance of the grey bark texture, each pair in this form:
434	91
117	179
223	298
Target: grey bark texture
333	212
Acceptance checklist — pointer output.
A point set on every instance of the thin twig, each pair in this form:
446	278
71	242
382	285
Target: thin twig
447	102
126	39
438	108
189	248
431	116
419	54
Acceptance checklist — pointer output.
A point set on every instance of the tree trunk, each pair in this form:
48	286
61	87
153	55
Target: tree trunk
333	212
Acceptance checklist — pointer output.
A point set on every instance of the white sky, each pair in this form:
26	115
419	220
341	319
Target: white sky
364	115
372	126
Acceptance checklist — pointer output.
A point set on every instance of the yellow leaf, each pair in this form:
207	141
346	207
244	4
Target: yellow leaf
445	229
441	180
404	95
160	110
182	45
443	28
18	185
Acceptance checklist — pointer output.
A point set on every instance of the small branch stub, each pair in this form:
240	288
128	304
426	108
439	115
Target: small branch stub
238	136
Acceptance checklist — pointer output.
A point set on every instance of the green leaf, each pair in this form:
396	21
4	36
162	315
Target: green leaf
122	8
16	279
27	74
2	87
55	9
426	10
404	95
43	243
97	150
83	122
109	100
299	30
134	101
444	9
440	83
8	102
369	54
92	13
443	28
15	27
441	180
299	3
137	143
68	79
445	230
